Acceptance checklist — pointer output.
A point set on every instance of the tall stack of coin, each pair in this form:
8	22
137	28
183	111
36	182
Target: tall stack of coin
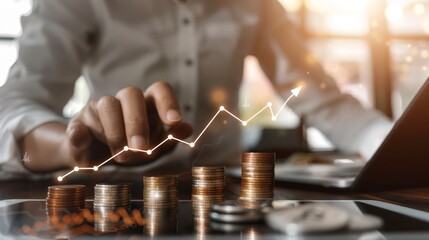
108	200
65	199
257	178
160	196
208	187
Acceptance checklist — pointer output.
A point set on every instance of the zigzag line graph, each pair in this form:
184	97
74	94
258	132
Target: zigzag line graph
295	92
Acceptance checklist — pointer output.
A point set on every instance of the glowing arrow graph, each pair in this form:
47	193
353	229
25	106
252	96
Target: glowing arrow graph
295	92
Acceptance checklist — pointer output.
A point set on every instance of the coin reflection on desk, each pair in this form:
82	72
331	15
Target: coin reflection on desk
110	202
160	221
64	200
208	187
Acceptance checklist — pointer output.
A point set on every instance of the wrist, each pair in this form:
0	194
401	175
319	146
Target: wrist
45	148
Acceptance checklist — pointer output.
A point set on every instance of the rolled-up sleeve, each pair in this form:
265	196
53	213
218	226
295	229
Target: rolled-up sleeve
287	62
52	49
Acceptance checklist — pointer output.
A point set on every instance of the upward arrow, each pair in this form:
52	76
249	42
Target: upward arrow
296	91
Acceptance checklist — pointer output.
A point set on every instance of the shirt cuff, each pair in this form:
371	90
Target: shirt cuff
11	160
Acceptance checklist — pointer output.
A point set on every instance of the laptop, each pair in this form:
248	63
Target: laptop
401	161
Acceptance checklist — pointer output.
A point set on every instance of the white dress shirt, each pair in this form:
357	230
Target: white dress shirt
196	46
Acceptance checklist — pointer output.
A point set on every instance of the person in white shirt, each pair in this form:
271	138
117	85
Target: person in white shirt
151	67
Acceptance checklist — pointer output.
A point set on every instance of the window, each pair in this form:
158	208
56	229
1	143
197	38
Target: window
10	28
390	42
378	51
408	24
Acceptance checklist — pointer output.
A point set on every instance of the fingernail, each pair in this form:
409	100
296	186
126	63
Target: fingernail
173	115
138	142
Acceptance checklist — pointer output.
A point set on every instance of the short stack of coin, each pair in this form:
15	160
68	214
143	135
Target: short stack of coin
108	200
65	199
160	196
257	178
208	187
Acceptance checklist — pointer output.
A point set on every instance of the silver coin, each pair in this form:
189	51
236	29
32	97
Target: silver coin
366	222
229	227
308	218
230	206
248	217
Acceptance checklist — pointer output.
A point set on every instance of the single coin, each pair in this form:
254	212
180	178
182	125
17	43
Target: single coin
247	217
365	222
230	206
308	218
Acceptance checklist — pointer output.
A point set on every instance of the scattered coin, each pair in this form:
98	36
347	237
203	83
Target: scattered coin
236	207
229	207
308	218
364	222
246	217
236	212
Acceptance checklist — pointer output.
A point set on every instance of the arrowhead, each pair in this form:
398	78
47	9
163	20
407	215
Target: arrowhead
296	91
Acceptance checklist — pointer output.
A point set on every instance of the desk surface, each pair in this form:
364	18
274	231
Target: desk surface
413	198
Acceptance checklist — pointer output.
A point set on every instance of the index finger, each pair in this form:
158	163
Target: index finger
165	102
135	117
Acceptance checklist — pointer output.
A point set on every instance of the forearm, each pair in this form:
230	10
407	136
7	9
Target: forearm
44	147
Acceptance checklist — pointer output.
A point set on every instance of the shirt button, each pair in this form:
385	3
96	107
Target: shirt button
187	108
186	21
189	62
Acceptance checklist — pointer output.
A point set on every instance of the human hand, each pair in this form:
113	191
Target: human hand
132	118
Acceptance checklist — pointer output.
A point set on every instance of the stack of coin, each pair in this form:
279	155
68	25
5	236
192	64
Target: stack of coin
208	187
112	195
110	199
257	178
160	196
65	199
160	191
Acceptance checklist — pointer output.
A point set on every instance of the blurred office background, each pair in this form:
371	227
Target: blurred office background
377	50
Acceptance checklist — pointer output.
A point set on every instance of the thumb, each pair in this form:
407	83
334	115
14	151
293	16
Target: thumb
79	135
